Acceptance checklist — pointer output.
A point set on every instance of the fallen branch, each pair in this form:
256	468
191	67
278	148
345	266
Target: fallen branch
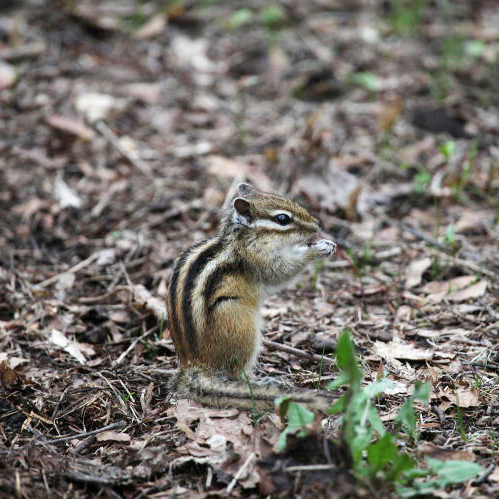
111	137
72	270
119	424
272	345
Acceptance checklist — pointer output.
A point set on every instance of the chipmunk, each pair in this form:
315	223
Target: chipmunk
217	287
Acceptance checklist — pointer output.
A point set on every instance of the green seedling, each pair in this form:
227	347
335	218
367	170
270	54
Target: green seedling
375	456
297	416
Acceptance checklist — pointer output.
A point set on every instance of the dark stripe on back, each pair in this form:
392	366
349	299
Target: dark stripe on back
174	282
195	269
219	300
215	278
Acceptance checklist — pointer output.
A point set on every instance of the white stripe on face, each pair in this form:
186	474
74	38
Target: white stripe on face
269	224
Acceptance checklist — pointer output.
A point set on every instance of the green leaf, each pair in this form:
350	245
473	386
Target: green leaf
339	406
341	380
345	358
448	473
421	392
298	417
382	452
475	48
454	471
406	418
448	149
374	389
274	16
367	80
240	18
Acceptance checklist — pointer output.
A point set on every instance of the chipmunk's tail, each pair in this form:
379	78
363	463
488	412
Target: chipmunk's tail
218	391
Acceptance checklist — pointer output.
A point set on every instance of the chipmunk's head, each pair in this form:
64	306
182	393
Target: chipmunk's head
271	218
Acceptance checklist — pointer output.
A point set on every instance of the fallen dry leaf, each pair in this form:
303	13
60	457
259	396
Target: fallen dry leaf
494	476
472	220
428	449
474	291
8	377
225	438
221	166
398	350
448	286
457	289
415	271
115	436
57	338
154	26
145	92
94	106
461	397
65	196
71	126
7	75
146	299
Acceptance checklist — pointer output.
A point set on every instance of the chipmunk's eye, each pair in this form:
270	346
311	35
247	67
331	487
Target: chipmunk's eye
282	219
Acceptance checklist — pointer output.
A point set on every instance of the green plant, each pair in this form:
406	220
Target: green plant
422	181
464	178
273	17
367	80
450	239
405	17
448	149
239	18
375	457
297	417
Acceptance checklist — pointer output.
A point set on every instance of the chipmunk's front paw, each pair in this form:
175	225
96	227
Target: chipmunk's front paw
324	247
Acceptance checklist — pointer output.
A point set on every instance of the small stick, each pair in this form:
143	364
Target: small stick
113	139
72	270
444	251
240	471
470	265
310	467
84	444
320	378
112	426
295	351
486	475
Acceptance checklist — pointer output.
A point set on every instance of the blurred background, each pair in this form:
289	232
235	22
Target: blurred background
131	120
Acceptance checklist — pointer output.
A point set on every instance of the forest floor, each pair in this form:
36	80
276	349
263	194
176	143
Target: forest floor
124	128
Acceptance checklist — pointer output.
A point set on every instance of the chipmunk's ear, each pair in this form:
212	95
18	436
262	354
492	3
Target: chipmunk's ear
244	189
242	211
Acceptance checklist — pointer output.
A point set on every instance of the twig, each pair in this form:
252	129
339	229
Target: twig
295	351
113	139
310	467
119	424
126	409
469	265
84	444
240	471
420	235
485	475
319	379
158	370
72	270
